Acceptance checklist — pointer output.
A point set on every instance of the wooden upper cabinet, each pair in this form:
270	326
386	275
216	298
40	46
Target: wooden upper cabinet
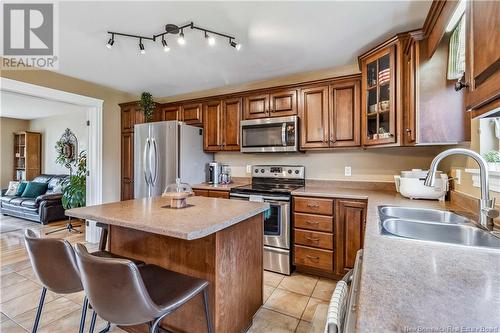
192	114
256	106
283	103
345	114
313	113
131	114
483	56
212	122
231	124
350	223
168	113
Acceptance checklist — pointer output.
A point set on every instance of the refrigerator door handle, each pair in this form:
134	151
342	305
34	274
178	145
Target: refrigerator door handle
153	178
147	147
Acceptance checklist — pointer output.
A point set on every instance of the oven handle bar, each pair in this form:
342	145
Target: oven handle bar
265	197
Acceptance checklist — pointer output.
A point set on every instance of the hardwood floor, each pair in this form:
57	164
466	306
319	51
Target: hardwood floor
289	301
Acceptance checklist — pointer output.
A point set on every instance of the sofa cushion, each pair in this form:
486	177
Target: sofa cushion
21	188
7	198
34	189
16	201
29	203
43	178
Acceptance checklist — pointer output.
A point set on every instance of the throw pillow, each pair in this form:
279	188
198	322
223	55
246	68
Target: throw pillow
12	189
34	189
21	188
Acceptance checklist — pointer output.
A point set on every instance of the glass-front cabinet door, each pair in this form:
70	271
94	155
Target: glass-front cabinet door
378	107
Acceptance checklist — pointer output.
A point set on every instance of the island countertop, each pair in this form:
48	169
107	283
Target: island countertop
204	216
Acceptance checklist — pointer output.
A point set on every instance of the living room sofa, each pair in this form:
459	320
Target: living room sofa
44	208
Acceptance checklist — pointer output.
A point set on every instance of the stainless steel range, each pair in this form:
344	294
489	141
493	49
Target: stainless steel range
274	184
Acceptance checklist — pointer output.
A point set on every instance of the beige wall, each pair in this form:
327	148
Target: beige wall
52	128
7	127
111	117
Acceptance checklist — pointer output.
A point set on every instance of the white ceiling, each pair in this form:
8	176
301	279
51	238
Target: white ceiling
278	38
14	105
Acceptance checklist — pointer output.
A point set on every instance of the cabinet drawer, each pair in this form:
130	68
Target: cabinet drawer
306	256
314	205
313	238
219	194
313	222
200	193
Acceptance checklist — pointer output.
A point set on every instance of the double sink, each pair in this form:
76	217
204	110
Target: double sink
434	225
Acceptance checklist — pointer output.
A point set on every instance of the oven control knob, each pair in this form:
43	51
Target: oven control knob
289	170
256	170
262	170
296	172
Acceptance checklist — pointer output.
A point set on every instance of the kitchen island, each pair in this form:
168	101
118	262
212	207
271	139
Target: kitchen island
215	239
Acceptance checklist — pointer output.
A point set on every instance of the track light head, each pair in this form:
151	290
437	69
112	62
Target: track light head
141	48
237	46
210	39
181	39
110	43
165	45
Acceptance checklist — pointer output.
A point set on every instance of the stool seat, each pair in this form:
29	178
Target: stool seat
169	289
107	254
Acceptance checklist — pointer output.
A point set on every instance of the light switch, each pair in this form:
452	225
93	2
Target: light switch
347	171
458	176
249	168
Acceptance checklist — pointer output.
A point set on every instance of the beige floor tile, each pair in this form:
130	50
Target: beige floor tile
313	303
71	323
286	302
10	279
303	327
324	289
18	266
272	279
267	321
29	274
51	311
268	290
299	283
8	326
76	297
17	290
25	302
3	317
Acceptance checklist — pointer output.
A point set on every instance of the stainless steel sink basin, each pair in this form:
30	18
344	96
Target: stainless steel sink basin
434	225
422	214
440	232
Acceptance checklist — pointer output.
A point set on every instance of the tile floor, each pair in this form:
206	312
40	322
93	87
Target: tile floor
289	301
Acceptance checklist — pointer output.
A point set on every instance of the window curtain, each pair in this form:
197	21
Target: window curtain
456	55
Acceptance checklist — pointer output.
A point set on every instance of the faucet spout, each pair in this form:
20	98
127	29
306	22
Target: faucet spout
487	210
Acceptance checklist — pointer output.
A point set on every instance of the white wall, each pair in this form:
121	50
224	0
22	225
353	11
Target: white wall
52	128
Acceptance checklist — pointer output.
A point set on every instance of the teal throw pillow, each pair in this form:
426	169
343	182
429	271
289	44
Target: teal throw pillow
34	189
20	188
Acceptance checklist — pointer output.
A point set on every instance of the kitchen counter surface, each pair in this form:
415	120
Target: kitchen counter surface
410	285
221	187
205	217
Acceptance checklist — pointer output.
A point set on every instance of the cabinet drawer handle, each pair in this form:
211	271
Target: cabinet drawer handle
312	257
313	205
312	239
312	222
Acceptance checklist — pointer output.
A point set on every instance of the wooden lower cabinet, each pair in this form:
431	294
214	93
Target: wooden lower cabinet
211	193
327	234
127	166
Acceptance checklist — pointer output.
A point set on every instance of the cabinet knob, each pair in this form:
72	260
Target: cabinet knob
461	83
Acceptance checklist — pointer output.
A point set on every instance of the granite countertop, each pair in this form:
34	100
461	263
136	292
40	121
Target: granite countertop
205	217
410	285
222	187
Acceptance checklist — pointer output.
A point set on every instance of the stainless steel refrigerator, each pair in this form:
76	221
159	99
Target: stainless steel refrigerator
164	151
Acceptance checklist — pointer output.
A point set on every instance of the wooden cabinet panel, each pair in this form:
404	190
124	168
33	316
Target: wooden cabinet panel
313	222
212	122
201	193
349	233
313	111
169	113
231	124
316	258
313	205
283	103
127	166
256	106
345	114
192	114
483	57
313	238
127	118
218	194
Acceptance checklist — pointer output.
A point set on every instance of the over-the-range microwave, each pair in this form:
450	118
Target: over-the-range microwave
270	135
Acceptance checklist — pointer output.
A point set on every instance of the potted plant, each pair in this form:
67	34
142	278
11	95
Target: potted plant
147	106
74	188
493	159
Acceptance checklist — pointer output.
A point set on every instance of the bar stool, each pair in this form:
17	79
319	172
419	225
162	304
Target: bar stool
125	294
54	263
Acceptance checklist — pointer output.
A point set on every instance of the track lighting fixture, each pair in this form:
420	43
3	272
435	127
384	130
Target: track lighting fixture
174	30
141	47
181	39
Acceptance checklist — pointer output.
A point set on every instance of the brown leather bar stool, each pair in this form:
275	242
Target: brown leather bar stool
125	294
54	263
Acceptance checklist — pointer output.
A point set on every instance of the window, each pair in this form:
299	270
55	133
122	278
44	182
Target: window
456	52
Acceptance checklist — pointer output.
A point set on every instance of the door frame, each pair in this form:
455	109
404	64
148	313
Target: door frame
94	151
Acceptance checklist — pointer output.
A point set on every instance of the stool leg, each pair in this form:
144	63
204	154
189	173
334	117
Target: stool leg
92	322
84	314
39	311
106	329
207	310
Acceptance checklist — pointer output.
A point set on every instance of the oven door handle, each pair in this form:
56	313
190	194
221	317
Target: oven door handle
265	197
